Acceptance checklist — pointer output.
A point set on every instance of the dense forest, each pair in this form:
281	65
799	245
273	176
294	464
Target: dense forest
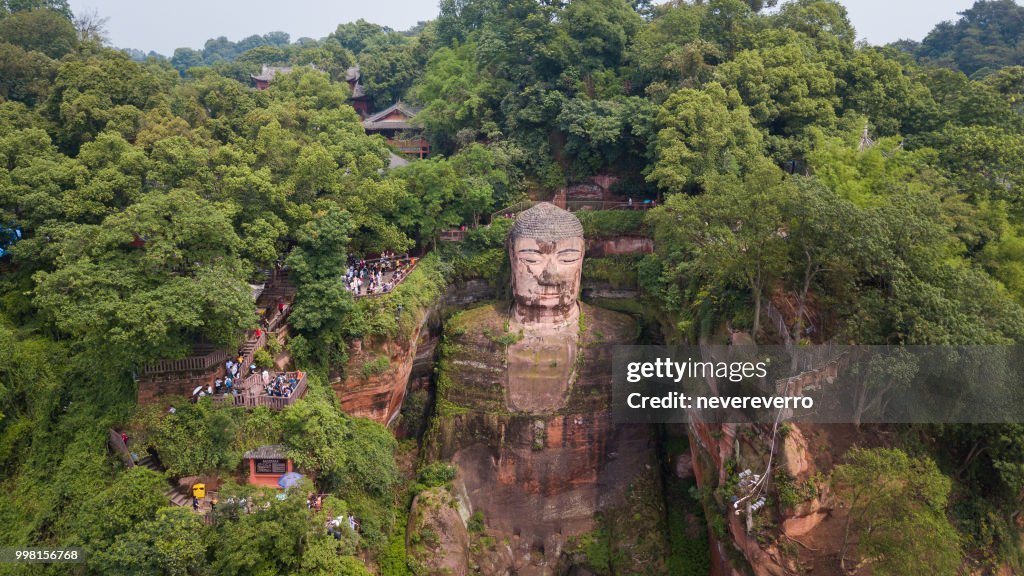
894	171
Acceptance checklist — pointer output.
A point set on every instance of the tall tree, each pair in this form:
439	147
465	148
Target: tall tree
897	508
733	232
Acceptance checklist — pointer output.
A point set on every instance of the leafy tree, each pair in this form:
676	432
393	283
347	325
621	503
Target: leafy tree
824	232
703	133
823	21
119	507
456	93
348	452
152	279
274	539
355	36
8	7
26	75
600	31
731	232
877	85
196	439
169	545
787	92
985	37
388	68
45	31
670	50
897	509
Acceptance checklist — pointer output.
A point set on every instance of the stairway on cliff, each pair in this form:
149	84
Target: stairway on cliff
175	496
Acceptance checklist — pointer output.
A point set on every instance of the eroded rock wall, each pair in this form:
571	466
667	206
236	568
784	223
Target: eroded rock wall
377	392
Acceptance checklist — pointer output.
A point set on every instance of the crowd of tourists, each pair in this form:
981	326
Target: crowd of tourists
281	386
365	277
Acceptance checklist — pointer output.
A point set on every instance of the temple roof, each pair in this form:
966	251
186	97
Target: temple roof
394	117
268	451
268	72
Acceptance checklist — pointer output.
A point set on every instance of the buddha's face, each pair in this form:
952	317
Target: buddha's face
546	274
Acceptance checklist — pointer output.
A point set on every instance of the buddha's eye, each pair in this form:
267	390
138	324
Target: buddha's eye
530	260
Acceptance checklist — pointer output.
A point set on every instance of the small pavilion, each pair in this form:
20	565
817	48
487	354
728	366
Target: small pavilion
267	464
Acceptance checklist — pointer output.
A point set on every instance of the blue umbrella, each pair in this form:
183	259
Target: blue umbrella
288	480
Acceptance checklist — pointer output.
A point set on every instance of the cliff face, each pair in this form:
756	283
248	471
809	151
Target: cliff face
378	372
539	466
376	376
801	536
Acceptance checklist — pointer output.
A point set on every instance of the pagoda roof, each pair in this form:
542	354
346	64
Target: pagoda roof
380	120
268	72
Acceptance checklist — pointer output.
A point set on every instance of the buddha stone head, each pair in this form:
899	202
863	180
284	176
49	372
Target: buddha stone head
546	250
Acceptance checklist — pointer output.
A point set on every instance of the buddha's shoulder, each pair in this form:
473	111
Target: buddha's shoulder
488	315
607	326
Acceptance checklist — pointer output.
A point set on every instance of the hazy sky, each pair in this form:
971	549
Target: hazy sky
166	25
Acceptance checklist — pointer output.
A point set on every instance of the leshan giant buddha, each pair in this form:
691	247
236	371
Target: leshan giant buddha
524	413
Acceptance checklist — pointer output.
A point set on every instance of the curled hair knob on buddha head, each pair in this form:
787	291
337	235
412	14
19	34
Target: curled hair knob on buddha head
545	222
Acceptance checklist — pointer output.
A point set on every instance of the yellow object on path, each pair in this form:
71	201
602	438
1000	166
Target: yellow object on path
199	490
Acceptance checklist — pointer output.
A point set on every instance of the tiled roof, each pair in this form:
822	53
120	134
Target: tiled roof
268	72
268	451
376	121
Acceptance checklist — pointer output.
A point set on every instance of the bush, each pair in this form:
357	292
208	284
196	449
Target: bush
604	223
396	314
619	271
437	474
488	237
378	365
476	522
263	359
197	438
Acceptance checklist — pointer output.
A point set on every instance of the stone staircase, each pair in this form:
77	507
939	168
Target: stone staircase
175	496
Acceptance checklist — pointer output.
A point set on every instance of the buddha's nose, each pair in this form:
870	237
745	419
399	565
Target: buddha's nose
551	274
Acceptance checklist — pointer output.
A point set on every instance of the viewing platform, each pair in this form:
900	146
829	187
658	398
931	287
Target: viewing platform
405	267
252	393
198	371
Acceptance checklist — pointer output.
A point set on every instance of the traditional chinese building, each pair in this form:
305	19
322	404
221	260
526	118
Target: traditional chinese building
396	124
267	74
359	99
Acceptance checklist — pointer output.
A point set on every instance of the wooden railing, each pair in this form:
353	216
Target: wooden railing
578	205
419	148
189	364
280	402
513	209
251	346
454	235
